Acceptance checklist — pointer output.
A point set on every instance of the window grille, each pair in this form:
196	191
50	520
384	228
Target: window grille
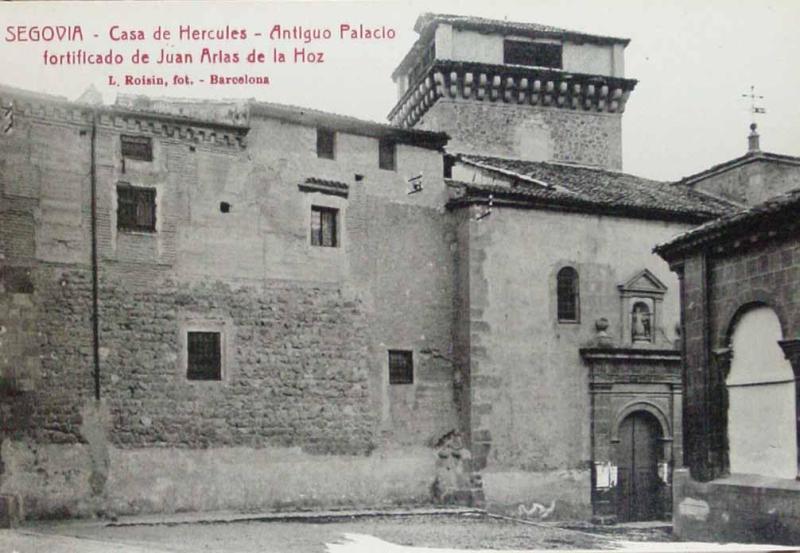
401	367
136	208
324	226
137	147
204	359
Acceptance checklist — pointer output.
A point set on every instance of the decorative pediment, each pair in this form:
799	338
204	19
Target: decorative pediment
643	283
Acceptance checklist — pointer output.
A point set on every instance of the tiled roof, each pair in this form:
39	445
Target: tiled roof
345	123
774	214
594	189
503	26
427	22
314	184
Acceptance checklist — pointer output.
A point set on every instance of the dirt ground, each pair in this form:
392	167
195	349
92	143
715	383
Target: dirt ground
466	532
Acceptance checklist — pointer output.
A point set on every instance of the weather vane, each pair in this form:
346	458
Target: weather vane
754	109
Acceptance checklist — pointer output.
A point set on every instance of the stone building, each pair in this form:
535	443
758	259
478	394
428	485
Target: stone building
740	279
247	305
555	266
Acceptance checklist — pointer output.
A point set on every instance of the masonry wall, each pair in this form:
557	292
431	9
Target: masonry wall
304	414
528	132
717	288
529	388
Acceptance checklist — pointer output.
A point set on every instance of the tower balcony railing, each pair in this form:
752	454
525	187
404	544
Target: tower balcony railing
511	84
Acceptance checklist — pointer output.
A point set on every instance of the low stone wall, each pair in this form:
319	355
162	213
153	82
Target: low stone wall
545	495
57	480
740	507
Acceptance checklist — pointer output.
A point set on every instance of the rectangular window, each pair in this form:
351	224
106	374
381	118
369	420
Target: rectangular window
326	142
137	147
537	54
401	367
387	150
204	360
323	226
136	208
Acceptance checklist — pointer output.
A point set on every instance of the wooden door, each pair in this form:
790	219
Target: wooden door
638	484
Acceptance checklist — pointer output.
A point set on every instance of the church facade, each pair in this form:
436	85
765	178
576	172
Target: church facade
254	306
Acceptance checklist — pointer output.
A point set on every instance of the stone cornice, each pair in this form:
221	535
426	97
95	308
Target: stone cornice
534	86
631	355
197	131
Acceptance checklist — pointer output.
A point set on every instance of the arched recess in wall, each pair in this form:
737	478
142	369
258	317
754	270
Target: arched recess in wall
647	406
761	397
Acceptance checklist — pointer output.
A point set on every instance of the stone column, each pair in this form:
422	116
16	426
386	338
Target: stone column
791	349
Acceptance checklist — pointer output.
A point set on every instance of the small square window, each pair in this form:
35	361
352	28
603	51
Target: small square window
204	359
535	54
137	147
326	143
401	367
324	231
136	208
387	153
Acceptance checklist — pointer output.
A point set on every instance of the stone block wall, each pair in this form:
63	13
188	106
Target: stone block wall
303	415
715	289
528	132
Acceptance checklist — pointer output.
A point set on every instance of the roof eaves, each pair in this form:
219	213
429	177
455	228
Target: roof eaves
346	123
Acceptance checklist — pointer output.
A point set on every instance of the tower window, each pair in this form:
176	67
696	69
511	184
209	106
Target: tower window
538	54
401	367
567	295
387	153
136	208
324	226
326	143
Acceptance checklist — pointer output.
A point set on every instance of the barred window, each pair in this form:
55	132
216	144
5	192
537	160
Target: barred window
137	147
204	359
324	226
136	208
567	292
401	367
538	54
387	152
326	143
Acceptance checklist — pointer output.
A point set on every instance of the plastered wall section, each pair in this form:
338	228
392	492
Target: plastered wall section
474	46
752	183
530	406
528	132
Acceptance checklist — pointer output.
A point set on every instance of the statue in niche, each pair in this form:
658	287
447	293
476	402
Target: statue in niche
641	323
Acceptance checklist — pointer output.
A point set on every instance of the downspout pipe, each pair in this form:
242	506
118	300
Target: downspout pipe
95	271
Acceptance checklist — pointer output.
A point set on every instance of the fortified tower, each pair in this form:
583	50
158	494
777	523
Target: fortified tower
518	90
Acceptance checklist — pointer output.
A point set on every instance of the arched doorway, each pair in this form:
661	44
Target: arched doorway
639	452
761	398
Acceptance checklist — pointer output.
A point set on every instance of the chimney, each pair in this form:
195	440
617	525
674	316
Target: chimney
752	140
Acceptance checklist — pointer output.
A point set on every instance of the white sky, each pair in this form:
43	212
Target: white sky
693	59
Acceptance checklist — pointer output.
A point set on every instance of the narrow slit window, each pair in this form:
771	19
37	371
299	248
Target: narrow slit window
204	359
567	293
326	143
324	223
387	154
